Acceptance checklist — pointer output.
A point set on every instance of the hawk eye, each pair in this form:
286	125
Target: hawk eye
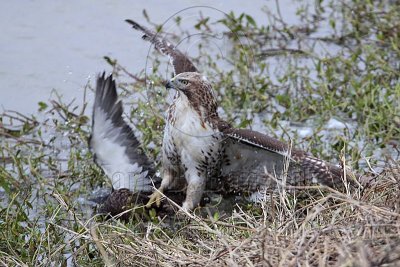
184	82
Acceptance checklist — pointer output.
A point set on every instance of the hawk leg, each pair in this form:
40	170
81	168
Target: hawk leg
155	198
157	195
194	191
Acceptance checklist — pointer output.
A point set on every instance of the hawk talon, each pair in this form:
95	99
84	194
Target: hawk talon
154	198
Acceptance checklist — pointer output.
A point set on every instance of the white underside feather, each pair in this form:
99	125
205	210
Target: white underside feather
112	156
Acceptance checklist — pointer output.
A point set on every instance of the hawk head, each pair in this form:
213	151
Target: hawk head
197	91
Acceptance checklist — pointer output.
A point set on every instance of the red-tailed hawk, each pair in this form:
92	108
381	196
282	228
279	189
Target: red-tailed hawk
202	146
198	145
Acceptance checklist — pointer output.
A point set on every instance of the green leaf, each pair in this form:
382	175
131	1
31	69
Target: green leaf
251	21
42	106
283	100
245	123
153	214
146	15
112	62
332	23
216	216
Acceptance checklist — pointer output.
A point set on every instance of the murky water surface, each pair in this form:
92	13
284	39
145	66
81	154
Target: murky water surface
55	46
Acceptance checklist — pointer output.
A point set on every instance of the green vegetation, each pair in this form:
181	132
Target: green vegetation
283	77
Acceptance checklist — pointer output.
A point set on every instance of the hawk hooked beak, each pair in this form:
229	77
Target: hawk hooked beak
169	85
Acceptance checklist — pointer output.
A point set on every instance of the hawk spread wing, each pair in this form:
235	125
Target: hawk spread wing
180	62
113	143
253	161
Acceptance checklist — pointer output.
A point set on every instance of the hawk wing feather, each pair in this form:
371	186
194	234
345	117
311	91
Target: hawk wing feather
180	62
260	140
113	143
254	161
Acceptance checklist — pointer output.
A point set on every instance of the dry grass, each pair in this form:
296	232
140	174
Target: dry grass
360	228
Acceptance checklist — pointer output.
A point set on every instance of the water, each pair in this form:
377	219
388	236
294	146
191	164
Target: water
54	46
